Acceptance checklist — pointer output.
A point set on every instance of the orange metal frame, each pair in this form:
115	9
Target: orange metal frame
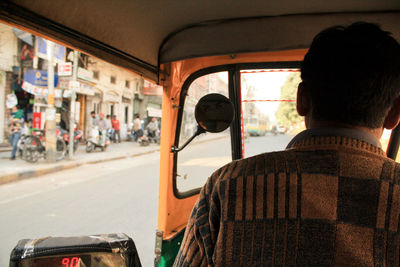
173	213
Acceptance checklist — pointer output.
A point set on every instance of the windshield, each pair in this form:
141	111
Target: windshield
270	119
268	107
208	151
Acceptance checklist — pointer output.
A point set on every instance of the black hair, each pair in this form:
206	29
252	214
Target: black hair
352	74
92	112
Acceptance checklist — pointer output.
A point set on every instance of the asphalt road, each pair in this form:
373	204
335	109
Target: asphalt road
116	196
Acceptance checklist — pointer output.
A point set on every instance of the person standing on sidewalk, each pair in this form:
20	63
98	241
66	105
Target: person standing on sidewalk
115	126
15	123
102	124
137	127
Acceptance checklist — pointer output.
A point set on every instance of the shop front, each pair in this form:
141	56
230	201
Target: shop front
33	99
83	91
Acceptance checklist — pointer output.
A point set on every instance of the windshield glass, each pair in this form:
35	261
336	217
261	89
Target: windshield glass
269	112
209	150
270	119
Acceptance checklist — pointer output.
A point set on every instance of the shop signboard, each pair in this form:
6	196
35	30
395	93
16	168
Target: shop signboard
154	112
51	114
77	86
37	120
151	89
59	50
38	77
85	74
65	69
111	98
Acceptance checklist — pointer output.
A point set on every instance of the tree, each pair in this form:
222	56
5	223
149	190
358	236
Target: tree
286	112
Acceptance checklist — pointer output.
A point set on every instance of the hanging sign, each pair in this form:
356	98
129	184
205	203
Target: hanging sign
59	50
64	69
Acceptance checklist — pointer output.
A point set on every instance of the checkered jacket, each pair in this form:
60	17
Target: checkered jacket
326	201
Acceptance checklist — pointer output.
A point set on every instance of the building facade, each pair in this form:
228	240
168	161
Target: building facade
98	85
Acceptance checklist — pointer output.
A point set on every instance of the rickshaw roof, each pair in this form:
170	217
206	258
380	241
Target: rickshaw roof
140	35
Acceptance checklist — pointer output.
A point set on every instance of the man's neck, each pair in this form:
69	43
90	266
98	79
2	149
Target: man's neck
377	132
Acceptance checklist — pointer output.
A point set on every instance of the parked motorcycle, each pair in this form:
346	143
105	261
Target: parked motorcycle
97	140
35	147
77	137
21	144
148	137
143	138
154	136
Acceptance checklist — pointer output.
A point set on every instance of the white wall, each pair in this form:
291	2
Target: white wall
107	70
8	48
8	58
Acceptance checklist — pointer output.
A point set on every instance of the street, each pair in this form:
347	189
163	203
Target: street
114	196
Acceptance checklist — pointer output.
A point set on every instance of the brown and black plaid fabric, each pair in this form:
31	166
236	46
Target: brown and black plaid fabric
326	201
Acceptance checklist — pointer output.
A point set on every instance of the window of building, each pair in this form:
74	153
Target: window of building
113	80
126	114
96	74
112	110
96	108
126	83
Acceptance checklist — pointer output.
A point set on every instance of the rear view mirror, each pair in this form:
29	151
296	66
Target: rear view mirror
109	250
213	113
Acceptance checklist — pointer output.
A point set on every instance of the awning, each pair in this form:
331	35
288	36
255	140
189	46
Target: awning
40	90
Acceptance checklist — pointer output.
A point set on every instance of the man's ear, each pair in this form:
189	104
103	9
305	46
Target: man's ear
393	116
303	100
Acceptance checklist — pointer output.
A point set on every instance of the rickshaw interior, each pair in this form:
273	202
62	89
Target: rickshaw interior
243	50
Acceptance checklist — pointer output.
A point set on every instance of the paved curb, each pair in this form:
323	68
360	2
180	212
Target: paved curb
26	174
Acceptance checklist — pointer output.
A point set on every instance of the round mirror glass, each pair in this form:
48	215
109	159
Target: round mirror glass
214	113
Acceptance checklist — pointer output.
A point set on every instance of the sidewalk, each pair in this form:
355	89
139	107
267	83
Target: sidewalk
16	170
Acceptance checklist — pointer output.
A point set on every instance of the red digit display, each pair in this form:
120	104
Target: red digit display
74	262
65	262
70	262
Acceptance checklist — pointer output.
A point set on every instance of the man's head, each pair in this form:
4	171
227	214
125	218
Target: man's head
108	117
114	117
351	75
153	119
137	116
92	114
101	115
